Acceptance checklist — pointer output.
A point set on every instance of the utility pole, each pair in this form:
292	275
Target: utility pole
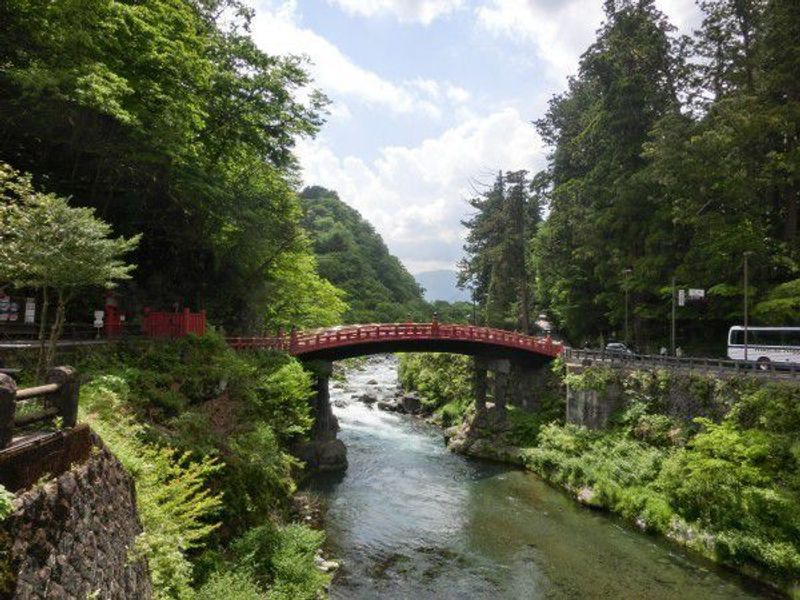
627	273
672	328
746	286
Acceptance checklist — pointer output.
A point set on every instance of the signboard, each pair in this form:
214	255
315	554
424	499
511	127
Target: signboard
695	294
13	311
5	306
30	311
98	318
681	297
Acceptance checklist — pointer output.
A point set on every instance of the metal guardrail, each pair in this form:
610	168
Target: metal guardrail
59	397
717	365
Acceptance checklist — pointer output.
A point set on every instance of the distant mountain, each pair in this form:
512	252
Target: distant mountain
441	285
352	256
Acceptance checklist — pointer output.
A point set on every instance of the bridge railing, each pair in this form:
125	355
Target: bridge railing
770	369
57	398
307	341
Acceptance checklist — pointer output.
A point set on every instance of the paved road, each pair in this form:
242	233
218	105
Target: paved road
576	356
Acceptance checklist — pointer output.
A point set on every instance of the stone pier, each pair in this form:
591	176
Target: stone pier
323	451
512	382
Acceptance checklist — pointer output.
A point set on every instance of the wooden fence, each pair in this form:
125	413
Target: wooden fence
58	398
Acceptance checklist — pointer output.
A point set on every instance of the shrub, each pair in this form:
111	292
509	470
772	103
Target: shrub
259	477
6	499
772	407
282	558
592	378
231	585
174	503
439	378
295	574
281	399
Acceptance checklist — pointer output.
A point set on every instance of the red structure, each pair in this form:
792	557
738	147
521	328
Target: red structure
366	339
173	324
113	320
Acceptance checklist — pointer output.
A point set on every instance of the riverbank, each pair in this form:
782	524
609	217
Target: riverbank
206	434
411	519
723	486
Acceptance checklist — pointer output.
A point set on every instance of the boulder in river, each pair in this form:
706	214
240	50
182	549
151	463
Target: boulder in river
387	405
411	404
326	566
322	455
487	435
372	382
368	398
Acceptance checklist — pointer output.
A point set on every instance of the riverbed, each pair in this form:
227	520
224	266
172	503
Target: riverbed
409	519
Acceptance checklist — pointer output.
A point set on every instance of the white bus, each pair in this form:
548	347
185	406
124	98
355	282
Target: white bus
765	344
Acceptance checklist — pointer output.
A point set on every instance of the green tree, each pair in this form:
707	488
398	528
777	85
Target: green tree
496	268
48	245
353	256
167	119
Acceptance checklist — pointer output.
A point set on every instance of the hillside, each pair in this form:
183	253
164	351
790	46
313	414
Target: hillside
353	256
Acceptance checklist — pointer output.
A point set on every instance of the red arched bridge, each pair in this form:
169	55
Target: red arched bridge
335	343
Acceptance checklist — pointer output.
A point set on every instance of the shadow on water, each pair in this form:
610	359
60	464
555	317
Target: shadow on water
411	520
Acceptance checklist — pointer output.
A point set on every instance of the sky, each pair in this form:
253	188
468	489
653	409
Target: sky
430	99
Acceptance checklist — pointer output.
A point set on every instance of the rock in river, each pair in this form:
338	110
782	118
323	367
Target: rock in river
411	404
387	405
368	398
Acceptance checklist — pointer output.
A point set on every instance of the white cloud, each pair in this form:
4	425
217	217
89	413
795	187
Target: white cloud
419	11
277	31
439	91
560	30
414	196
684	14
457	94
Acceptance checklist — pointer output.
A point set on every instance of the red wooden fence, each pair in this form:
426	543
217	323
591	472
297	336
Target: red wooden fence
173	324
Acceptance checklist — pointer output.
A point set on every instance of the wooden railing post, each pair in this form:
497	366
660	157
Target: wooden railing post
8	404
66	398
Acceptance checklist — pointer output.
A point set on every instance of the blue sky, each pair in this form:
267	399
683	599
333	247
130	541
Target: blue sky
430	98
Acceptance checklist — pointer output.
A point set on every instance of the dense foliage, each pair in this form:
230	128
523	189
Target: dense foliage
205	432
166	118
443	381
496	268
49	246
727	488
724	484
670	157
352	256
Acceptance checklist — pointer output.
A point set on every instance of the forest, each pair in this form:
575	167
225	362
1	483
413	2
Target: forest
354	258
167	120
671	156
149	147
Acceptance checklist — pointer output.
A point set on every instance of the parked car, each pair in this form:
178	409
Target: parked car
618	348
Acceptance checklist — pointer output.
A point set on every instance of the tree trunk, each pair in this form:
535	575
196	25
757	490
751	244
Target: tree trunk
40	362
791	205
524	300
57	329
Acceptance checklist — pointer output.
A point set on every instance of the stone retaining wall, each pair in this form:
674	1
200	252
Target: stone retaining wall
71	537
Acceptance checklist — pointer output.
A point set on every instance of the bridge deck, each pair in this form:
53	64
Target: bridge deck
315	341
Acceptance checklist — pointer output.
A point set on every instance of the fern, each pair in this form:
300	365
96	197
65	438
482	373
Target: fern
174	504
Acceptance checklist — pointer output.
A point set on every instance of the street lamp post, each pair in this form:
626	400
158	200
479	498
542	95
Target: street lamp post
627	273
747	254
672	322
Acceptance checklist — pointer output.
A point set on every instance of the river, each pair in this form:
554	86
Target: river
411	520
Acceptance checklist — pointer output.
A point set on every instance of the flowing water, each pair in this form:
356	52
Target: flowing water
411	520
